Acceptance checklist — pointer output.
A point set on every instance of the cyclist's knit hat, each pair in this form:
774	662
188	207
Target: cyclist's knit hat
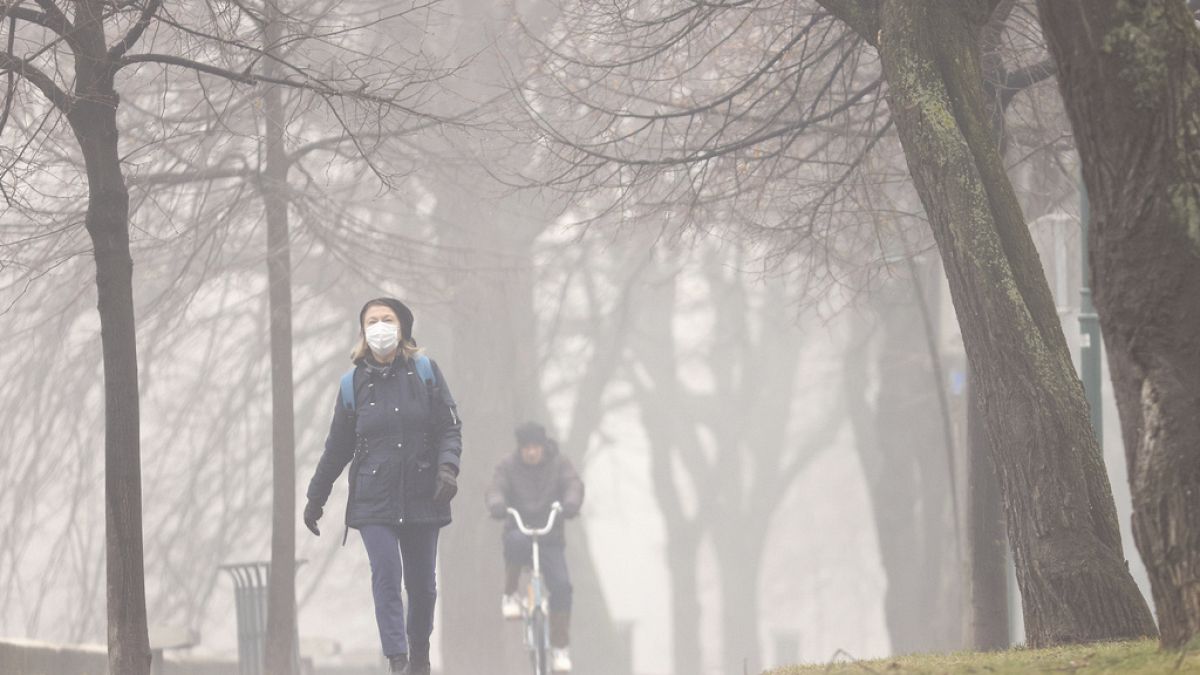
402	312
531	433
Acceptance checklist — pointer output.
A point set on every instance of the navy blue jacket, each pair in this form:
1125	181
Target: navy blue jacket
400	431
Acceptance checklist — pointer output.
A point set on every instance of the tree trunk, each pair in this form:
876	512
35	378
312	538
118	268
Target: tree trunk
281	589
93	120
912	431
494	329
601	652
683	550
987	627
1130	83
740	545
487	366
683	532
900	447
604	651
1061	519
891	489
671	438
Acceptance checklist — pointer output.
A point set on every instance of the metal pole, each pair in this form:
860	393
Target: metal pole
1089	323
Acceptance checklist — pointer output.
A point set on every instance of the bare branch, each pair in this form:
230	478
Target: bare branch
163	178
1026	77
704	154
247	77
244	77
135	33
11	88
861	15
37	78
60	24
39	18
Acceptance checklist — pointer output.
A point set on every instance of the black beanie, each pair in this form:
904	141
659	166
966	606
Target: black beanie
531	433
402	312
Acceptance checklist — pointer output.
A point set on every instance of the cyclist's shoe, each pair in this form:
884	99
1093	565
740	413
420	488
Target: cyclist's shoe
510	606
560	660
398	663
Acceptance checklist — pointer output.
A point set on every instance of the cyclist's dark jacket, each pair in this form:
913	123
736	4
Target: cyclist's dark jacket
531	490
394	440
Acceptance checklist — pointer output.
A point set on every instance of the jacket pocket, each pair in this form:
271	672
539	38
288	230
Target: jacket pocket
375	486
422	479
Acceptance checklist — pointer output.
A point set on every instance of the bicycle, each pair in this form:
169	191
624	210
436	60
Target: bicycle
535	611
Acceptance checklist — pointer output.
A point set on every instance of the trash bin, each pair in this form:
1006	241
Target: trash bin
250	600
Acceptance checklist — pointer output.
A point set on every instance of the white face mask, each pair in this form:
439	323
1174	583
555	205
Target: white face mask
382	337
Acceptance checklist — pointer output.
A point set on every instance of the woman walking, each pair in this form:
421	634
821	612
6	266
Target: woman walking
396	425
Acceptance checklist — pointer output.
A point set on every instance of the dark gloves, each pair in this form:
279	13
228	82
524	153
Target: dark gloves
447	484
498	510
312	513
570	509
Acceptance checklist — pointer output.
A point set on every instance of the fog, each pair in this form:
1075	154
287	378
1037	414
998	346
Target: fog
682	237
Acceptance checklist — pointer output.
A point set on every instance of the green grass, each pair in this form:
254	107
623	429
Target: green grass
1139	658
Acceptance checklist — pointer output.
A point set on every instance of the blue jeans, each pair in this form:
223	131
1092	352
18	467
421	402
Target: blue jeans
518	550
405	553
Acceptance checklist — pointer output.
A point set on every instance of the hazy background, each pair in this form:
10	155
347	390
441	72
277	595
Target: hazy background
759	375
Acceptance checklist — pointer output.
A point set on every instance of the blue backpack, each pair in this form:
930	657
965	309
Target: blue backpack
424	369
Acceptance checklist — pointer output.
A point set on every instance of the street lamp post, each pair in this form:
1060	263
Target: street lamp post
1089	324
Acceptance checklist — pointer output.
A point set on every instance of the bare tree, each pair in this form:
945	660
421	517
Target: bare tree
489	238
903	449
608	275
1128	86
1012	335
89	102
810	76
722	461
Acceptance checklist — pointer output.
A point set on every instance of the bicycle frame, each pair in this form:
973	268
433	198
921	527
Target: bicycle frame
535	612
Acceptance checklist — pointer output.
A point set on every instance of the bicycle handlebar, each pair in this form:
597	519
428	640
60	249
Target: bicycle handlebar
555	509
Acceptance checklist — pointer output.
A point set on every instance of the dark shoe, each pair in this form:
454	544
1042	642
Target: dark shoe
419	664
398	663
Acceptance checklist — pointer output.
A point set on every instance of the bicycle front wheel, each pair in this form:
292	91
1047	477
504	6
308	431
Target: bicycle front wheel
539	653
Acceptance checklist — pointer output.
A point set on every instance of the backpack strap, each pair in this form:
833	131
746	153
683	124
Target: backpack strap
425	369
348	390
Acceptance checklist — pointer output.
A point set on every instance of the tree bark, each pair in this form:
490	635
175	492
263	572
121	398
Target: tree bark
986	550
987	627
93	119
280	651
1061	519
1131	83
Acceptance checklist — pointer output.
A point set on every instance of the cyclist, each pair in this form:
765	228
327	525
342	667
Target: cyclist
530	481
